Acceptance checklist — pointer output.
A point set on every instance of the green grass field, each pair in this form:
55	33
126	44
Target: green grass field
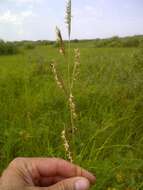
109	99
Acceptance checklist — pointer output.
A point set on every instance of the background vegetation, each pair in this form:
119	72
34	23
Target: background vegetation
109	98
8	48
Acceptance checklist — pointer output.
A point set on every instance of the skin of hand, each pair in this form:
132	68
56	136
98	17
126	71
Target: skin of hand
45	174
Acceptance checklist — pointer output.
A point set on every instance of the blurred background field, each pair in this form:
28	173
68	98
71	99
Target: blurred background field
109	98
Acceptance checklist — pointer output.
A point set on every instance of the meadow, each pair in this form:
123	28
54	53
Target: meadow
109	99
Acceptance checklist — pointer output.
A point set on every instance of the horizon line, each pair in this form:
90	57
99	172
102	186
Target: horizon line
80	39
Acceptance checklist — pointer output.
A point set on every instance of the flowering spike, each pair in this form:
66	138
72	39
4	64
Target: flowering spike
68	17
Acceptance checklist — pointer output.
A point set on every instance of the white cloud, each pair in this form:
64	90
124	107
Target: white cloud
15	18
15	21
7	17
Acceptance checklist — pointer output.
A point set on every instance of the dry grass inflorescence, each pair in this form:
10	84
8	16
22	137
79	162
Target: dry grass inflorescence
68	140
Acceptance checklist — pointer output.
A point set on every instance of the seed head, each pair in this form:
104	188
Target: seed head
68	17
66	146
59	83
60	41
72	106
77	56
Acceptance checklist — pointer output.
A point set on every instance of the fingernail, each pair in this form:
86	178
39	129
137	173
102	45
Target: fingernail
82	184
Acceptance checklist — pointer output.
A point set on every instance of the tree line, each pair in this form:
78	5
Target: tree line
134	41
10	48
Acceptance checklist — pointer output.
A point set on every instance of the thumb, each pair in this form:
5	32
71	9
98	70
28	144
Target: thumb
76	183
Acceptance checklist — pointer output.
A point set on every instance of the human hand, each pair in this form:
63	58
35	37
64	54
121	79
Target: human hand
45	174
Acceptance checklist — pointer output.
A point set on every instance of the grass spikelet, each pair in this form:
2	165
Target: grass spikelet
76	65
60	41
72	106
68	17
77	56
66	146
58	79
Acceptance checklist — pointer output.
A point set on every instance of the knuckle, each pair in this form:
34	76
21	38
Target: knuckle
57	159
78	171
65	186
17	161
61	186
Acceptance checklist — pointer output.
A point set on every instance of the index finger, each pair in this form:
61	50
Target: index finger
48	167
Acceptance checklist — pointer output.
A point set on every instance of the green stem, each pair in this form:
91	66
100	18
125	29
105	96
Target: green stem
69	57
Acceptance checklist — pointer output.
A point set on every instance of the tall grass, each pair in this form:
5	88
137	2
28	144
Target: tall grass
69	140
109	101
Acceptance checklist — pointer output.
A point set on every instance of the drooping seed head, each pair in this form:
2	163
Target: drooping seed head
60	41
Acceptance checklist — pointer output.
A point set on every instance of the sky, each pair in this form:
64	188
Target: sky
37	19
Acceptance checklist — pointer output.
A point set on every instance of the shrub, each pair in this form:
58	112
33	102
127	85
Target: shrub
134	41
29	46
8	48
75	40
130	42
138	60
